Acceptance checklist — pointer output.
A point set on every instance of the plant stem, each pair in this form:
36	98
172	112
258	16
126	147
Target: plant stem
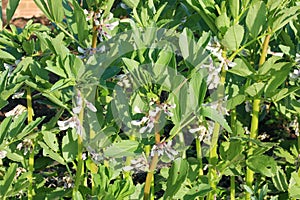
213	155
234	133
255	117
95	36
232	187
153	164
80	164
199	156
149	177
31	155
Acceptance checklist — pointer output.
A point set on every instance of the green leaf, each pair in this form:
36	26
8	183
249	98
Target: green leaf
263	164
234	6
6	56
80	19
197	191
269	65
256	17
279	180
43	6
283	17
17	125
177	175
223	22
4	127
51	140
132	3
277	79
255	89
121	149
69	146
235	101
294	186
233	37
3	103
48	152
56	9
215	116
7	180
11	9
30	127
241	68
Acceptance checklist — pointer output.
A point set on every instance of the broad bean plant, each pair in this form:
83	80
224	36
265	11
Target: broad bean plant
151	100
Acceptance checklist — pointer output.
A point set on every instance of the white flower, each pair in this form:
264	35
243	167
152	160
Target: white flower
139	164
248	106
201	130
79	103
3	154
215	48
72	122
18	95
295	126
295	74
26	144
164	148
18	110
278	54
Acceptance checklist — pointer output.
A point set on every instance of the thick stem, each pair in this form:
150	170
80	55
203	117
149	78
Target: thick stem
80	163
213	155
153	164
31	155
95	36
199	156
149	177
255	117
232	188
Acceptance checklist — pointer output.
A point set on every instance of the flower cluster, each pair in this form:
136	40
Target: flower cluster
74	122
16	111
215	49
204	133
164	149
151	116
101	23
26	144
139	164
85	53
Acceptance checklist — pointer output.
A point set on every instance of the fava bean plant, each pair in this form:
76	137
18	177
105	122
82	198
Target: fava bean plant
151	100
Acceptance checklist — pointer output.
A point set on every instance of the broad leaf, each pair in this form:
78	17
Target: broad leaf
121	149
263	164
256	18
177	175
233	37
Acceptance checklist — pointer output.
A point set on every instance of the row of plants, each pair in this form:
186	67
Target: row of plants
151	100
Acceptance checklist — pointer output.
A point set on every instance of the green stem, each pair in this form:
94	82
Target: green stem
199	156
80	163
232	188
213	155
95	36
255	117
31	155
182	142
234	133
149	177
